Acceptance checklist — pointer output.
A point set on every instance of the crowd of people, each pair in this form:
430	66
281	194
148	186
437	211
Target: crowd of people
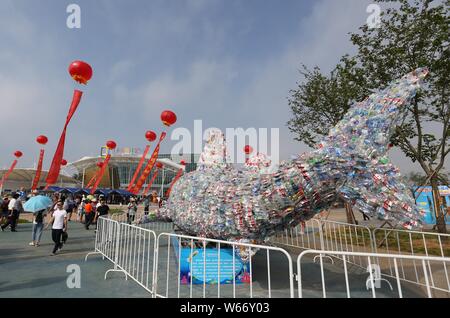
83	209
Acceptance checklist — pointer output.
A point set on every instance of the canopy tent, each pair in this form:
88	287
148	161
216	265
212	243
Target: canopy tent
105	192
124	193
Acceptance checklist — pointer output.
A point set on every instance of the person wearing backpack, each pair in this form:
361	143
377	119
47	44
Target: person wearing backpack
38	226
69	205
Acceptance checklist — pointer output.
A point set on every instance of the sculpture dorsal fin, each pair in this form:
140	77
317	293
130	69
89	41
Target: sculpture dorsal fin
215	151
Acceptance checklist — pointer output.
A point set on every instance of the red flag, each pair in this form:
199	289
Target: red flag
100	174
55	167
149	166
38	171
150	183
6	175
94	177
180	172
130	186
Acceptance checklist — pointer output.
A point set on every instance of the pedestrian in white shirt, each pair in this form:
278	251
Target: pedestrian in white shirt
59	225
12	202
15	208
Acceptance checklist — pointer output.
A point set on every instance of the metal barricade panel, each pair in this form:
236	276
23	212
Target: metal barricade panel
198	267
322	279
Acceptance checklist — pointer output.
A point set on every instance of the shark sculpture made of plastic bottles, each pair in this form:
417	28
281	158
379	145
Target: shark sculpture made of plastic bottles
221	201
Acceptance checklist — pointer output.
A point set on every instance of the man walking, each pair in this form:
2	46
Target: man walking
102	210
14	207
59	225
4	210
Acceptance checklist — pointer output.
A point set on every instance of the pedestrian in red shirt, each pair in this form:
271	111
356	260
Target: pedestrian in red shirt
88	209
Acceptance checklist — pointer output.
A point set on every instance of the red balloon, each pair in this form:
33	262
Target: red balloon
159	165
111	144
80	71
63	162
150	135
168	118
99	164
248	149
182	162
18	154
42	139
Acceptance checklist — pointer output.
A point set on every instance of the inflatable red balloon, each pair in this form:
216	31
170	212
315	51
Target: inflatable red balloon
42	139
18	154
168	118
63	162
80	71
111	144
150	135
248	149
159	165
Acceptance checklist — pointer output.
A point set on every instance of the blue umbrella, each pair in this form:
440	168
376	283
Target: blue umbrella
37	203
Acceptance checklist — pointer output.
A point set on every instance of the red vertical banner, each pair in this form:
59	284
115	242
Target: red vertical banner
149	166
94	177
179	173
6	175
100	174
38	171
151	182
55	167
141	162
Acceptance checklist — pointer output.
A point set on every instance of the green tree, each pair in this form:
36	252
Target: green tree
412	34
320	101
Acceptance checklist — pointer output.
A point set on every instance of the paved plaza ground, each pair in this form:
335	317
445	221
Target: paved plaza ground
28	271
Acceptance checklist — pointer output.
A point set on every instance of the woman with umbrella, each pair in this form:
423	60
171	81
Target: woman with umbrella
38	226
38	205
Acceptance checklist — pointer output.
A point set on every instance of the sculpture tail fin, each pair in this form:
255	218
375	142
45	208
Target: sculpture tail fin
360	142
368	126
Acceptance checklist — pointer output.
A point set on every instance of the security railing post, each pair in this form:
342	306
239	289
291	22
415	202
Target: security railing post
116	256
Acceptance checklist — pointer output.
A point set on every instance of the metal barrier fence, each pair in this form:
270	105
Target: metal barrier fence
347	284
172	265
344	237
106	239
135	254
305	235
391	241
158	226
201	266
331	236
119	217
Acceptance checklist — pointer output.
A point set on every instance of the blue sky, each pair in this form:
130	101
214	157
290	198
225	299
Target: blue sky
230	63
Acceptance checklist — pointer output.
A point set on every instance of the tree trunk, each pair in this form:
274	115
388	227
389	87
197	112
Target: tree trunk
440	220
348	211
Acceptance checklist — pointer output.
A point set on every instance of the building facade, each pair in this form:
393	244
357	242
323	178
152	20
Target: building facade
122	167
